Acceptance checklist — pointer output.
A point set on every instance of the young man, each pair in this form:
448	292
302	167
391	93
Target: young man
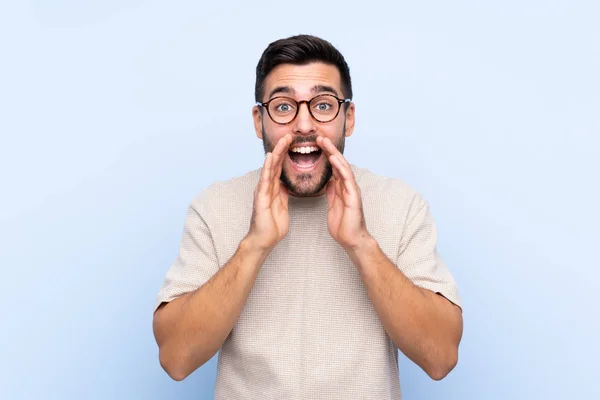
308	274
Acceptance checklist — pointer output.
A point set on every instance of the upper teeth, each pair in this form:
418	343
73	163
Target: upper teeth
305	149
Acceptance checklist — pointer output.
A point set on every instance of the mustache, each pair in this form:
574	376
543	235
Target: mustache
304	139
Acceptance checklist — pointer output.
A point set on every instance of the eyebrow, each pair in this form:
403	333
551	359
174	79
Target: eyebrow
324	88
281	89
315	89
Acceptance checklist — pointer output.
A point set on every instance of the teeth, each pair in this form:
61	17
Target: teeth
305	150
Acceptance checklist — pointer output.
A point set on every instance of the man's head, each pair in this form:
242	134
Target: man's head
292	70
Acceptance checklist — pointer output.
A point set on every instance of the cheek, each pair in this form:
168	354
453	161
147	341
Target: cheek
333	130
273	131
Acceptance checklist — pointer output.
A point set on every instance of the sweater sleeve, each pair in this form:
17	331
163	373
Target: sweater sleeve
196	261
418	257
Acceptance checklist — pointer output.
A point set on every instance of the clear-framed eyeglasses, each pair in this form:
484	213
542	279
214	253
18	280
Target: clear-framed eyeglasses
323	108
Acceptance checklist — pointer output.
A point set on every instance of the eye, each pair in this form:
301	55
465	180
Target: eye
323	105
283	107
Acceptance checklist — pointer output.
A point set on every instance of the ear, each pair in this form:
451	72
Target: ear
349	119
257	116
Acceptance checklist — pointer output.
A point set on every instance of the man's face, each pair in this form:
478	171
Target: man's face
304	174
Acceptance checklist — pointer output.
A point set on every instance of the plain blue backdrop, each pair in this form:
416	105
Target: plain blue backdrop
115	114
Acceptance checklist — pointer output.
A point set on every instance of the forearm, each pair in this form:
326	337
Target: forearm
191	329
426	327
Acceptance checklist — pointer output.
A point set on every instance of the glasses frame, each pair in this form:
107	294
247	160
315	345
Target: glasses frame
299	104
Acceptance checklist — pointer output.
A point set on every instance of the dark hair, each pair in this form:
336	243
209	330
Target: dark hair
300	50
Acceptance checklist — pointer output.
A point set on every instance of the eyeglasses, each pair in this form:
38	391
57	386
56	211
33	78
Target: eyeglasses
323	108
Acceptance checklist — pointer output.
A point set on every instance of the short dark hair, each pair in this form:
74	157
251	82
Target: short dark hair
300	50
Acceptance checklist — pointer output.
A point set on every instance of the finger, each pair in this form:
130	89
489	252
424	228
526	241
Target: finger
337	179
276	174
334	170
323	146
278	186
265	178
285	143
278	165
346	173
276	183
281	147
339	189
342	170
343	165
284	196
334	195
276	169
330	193
330	148
266	172
279	200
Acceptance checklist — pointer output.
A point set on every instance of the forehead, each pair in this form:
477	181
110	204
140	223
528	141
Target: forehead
303	79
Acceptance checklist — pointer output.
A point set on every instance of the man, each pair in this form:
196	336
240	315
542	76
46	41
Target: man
308	274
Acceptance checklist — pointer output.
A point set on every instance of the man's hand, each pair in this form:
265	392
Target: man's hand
345	219
191	328
270	218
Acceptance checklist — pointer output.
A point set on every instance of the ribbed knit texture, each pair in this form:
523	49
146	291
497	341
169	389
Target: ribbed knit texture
308	329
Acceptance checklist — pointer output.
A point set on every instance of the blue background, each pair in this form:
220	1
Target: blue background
115	114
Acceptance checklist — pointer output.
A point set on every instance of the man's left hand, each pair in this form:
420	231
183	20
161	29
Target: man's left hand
345	218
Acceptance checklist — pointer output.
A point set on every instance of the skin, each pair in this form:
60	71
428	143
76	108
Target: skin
425	326
303	82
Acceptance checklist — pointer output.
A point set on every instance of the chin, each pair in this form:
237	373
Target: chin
306	184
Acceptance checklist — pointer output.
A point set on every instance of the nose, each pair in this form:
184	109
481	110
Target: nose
304	123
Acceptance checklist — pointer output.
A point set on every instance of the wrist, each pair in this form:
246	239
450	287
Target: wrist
362	248
251	245
364	254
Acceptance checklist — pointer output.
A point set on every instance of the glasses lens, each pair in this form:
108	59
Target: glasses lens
324	107
282	109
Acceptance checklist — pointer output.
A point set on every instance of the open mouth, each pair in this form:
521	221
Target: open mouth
305	157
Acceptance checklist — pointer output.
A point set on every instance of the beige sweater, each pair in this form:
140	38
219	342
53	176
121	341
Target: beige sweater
308	329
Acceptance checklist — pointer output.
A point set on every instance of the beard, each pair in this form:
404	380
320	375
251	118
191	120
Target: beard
306	184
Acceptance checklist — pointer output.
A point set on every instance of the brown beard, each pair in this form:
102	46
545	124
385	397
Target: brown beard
298	190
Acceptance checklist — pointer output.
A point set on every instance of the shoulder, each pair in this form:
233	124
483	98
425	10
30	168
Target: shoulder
387	189
225	194
390	206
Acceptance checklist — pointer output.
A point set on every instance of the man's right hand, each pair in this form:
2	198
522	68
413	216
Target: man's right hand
270	218
193	327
